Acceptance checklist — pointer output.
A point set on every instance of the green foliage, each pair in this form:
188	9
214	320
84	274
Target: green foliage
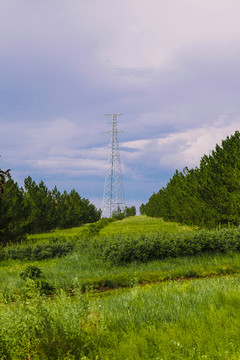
142	209
46	329
130	211
37	209
4	176
35	283
31	272
47	209
37	286
181	320
121	214
85	269
4	353
12	213
188	319
126	249
118	214
95	228
206	196
139	225
54	248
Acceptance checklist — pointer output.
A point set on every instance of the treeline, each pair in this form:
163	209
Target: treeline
36	209
205	196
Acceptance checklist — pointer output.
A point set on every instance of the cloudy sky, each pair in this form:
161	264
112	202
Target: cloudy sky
172	67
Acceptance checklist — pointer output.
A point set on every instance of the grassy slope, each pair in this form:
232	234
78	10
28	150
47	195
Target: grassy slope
79	270
193	319
133	225
69	233
141	225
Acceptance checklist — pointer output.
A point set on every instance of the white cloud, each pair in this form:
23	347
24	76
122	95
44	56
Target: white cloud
177	150
70	166
58	146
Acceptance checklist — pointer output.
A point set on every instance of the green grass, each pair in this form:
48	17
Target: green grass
142	225
75	232
82	272
181	308
78	272
195	319
133	225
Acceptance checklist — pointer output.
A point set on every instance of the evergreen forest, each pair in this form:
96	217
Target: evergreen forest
207	196
37	209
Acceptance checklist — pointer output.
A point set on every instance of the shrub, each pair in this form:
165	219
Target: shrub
31	272
4	353
126	249
54	248
35	282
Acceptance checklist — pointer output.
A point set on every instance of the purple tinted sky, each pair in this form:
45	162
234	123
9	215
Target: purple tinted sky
171	67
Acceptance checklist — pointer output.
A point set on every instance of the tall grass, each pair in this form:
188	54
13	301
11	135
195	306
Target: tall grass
178	320
79	272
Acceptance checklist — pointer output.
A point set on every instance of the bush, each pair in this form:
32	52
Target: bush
54	248
122	250
4	353
35	282
31	272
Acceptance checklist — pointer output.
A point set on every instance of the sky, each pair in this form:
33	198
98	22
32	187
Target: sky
171	67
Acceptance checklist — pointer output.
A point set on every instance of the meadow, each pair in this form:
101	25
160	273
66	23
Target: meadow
76	304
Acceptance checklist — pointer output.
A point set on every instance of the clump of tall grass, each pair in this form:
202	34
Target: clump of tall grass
41	328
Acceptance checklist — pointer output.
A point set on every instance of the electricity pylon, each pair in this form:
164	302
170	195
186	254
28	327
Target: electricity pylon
113	197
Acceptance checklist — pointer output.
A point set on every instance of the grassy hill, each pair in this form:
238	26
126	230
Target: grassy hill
142	225
132	225
82	306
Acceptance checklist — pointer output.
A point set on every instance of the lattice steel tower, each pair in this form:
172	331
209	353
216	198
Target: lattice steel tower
113	197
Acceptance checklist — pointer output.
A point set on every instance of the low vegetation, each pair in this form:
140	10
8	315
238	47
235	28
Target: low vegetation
42	251
82	304
175	320
125	249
